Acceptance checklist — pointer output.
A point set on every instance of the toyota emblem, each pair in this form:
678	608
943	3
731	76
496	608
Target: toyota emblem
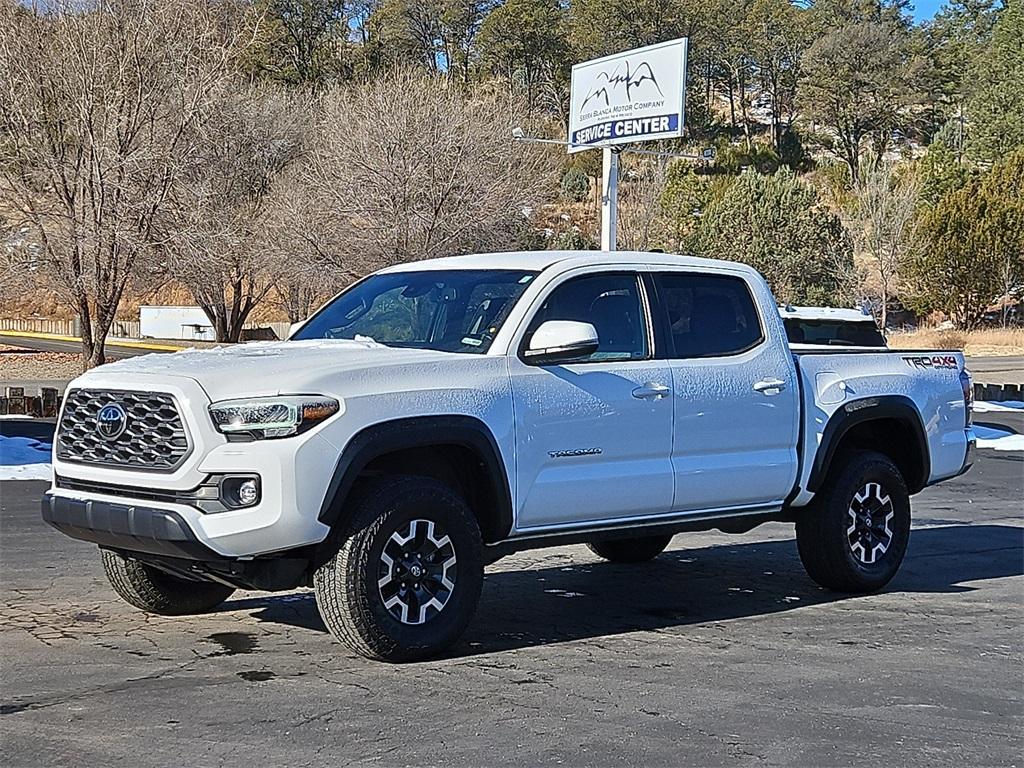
111	421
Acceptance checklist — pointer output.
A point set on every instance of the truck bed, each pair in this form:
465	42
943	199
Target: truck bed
862	379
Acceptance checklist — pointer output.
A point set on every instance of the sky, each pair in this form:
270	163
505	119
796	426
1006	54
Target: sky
926	9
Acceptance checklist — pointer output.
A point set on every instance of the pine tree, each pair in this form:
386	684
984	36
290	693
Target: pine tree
777	225
973	245
996	109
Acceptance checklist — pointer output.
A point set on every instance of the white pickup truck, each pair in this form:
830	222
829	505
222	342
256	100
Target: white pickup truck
436	416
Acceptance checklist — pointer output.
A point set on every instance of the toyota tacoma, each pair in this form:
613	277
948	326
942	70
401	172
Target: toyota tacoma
438	415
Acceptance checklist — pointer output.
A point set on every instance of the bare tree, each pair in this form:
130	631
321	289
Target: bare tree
99	109
19	264
882	223
218	239
411	166
640	205
297	247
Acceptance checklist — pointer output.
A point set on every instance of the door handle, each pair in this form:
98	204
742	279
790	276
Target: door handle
651	391
769	386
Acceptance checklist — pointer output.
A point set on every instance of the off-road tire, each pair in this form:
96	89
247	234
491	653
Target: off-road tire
347	587
155	591
637	550
823	530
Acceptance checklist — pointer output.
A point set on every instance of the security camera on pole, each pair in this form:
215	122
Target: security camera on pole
638	95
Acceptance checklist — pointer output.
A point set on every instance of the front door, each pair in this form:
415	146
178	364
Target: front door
594	437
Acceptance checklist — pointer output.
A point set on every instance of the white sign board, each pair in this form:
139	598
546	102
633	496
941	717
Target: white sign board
166	322
633	96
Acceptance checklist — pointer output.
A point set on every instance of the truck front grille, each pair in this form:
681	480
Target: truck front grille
143	430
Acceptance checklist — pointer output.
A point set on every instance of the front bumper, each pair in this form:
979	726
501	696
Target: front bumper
294	474
162	538
125	526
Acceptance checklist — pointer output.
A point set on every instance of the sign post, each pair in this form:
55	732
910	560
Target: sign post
638	95
609	197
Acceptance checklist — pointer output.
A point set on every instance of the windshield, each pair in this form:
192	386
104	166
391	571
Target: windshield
446	310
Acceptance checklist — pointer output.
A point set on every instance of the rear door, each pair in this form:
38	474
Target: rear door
593	438
735	392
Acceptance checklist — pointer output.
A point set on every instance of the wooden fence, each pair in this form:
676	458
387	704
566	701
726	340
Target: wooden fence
121	329
38	325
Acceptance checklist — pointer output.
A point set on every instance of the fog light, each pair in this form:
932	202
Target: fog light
237	492
248	492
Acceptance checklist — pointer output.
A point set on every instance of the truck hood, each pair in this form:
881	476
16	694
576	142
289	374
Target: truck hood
266	368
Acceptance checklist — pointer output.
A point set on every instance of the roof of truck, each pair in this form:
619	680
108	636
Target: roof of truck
535	261
826	313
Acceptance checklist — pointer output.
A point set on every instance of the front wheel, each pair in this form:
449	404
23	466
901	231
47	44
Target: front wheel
407	577
853	536
156	591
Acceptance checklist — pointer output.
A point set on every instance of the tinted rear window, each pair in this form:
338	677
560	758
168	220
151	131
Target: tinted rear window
708	315
841	333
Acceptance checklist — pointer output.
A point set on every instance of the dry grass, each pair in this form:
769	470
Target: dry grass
18	364
986	342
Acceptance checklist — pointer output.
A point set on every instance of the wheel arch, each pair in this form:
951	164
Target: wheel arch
431	446
889	424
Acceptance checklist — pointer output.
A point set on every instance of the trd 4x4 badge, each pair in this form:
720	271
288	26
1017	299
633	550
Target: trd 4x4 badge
934	361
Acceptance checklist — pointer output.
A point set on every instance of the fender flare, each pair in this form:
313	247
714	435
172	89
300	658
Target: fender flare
867	409
420	432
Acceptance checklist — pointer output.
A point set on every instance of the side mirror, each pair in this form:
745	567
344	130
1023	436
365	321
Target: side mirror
561	341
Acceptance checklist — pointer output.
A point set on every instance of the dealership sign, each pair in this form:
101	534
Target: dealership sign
632	96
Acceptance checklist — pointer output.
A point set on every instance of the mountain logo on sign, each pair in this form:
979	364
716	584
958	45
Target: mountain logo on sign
607	84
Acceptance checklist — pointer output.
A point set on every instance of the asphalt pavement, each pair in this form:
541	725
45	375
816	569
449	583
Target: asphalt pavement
997	370
720	652
112	348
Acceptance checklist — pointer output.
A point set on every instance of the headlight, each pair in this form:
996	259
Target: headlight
267	417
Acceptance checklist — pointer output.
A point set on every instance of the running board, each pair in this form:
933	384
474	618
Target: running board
728	522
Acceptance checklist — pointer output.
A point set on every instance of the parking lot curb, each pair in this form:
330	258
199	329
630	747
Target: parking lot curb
130	344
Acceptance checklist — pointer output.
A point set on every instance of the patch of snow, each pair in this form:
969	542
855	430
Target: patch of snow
1006	406
564	593
998	439
26	472
1009	443
18	451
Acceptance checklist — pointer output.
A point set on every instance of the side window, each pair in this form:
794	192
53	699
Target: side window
611	303
708	315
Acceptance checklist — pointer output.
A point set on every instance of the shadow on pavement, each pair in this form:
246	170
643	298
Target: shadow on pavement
540	606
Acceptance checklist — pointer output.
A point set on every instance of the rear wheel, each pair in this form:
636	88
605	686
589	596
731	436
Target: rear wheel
155	591
852	538
636	550
407	576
